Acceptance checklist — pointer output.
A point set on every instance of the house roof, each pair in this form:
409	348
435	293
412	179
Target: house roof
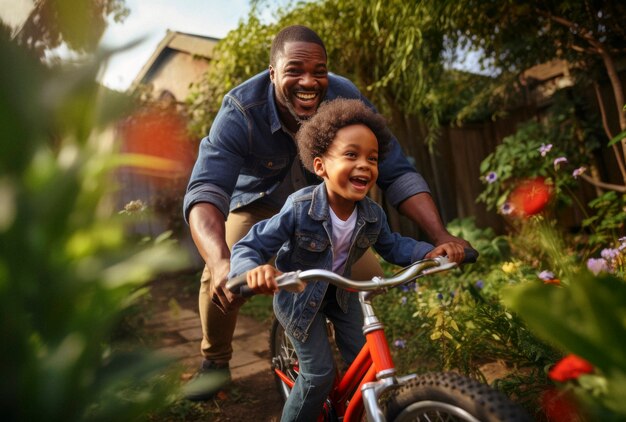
196	45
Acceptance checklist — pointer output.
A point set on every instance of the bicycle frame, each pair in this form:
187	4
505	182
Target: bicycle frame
372	372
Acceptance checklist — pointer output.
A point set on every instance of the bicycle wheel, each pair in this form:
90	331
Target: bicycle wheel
446	396
282	357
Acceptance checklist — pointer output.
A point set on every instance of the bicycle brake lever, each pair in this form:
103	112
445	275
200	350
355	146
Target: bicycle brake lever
291	282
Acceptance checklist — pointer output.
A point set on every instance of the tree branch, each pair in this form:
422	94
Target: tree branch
603	185
607	130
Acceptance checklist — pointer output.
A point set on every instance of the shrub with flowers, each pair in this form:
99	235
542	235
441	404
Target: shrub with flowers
538	158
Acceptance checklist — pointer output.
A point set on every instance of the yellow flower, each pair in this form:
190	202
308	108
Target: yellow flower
509	267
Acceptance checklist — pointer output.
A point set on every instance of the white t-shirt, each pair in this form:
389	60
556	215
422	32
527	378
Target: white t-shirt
342	232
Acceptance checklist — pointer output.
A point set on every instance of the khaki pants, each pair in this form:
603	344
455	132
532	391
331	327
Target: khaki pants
217	327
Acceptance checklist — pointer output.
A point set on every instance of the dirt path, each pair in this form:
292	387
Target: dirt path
175	323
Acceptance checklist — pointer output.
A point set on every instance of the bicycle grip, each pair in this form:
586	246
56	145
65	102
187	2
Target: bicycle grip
471	255
239	286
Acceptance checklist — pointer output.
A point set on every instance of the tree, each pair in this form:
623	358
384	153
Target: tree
77	23
514	35
393	50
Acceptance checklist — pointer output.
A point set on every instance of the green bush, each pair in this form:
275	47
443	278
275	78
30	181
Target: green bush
67	271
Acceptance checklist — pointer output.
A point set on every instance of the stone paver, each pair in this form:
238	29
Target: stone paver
181	333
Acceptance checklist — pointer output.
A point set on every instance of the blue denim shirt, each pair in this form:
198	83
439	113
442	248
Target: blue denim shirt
247	154
300	237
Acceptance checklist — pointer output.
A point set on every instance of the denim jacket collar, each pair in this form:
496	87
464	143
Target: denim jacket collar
319	206
274	117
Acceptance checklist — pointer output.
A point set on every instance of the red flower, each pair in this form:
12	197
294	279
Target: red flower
530	196
569	368
160	134
552	281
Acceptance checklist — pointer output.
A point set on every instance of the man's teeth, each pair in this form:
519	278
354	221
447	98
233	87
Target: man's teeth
305	96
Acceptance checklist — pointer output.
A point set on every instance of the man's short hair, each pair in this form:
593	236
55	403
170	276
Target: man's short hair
316	135
293	33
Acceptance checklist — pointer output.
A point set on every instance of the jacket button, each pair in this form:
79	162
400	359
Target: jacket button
270	164
312	304
261	193
312	244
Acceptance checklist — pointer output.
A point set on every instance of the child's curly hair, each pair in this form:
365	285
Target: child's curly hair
316	134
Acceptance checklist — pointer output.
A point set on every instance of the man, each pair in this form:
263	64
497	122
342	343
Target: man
248	165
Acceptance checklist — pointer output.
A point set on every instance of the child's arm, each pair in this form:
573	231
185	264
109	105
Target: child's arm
262	279
262	242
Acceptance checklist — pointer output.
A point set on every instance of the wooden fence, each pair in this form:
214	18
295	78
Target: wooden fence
452	169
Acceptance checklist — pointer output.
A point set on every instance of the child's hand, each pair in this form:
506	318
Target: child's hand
452	250
262	279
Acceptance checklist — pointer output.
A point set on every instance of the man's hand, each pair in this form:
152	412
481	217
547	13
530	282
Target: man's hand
454	252
262	279
220	295
453	246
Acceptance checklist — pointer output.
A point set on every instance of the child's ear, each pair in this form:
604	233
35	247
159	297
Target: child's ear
318	166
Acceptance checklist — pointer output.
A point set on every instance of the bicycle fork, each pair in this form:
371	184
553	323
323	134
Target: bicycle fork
381	359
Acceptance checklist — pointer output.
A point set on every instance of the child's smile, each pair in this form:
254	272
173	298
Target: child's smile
349	167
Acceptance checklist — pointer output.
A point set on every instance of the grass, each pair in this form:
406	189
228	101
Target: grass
258	307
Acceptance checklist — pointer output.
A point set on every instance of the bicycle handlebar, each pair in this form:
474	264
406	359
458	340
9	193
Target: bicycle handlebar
295	281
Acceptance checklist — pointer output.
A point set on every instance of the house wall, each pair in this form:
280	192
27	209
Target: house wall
175	71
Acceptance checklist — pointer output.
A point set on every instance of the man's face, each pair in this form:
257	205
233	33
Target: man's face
300	78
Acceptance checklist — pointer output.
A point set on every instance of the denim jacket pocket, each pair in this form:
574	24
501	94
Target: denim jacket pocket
366	240
310	249
269	166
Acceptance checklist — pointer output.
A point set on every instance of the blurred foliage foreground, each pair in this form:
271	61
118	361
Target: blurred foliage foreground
67	272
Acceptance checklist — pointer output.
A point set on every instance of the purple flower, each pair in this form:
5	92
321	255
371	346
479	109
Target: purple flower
506	208
609	254
544	149
479	284
579	171
403	300
491	177
559	161
439	296
597	265
546	275
400	343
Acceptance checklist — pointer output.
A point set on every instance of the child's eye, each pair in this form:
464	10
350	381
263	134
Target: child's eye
350	154
373	159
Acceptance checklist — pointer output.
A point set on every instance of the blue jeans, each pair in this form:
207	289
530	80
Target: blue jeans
315	357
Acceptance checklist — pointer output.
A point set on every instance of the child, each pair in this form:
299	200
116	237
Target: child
327	226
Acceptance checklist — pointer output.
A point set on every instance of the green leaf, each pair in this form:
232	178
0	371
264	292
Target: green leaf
617	138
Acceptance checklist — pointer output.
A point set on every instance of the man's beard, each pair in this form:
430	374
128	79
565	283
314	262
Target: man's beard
292	110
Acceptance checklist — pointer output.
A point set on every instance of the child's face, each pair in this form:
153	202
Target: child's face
350	166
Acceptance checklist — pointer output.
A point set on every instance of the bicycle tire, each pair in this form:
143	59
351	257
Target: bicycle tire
447	396
283	357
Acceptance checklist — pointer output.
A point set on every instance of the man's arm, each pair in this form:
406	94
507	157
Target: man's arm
421	209
207	225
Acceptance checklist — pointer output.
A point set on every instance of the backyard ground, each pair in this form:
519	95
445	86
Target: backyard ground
173	324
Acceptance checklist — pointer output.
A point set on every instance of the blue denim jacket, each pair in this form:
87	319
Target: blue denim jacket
247	154
300	236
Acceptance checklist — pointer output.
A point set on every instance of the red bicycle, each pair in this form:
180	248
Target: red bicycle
369	387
